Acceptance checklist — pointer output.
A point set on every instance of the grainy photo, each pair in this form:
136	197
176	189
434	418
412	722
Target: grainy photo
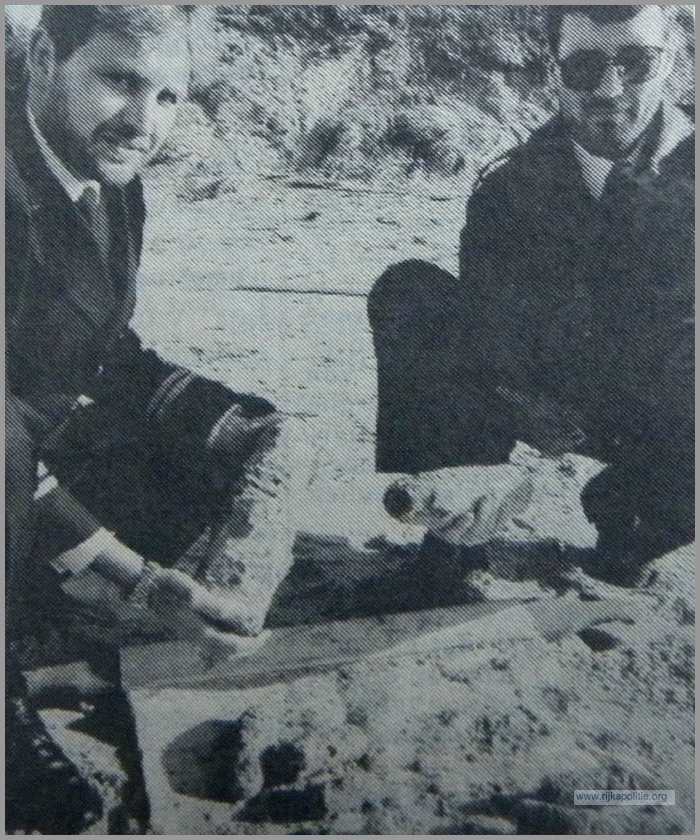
350	419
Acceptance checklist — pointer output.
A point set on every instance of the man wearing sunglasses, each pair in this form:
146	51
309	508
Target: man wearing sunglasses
570	326
611	76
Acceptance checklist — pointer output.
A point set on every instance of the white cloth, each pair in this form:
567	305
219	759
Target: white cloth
73	186
78	559
595	170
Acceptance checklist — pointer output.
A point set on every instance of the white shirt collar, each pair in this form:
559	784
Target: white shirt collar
595	170
73	186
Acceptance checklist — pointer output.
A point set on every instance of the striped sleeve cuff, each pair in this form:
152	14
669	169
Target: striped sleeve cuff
190	409
173	387
234	411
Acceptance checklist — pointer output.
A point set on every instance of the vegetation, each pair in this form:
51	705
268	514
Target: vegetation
361	92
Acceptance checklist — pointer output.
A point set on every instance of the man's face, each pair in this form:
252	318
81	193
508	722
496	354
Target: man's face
112	102
608	120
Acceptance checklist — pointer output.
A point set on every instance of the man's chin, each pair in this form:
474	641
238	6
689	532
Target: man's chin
611	141
114	174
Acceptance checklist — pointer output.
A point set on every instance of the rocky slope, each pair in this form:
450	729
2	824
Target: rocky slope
367	92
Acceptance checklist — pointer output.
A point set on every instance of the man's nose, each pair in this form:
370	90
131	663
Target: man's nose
611	84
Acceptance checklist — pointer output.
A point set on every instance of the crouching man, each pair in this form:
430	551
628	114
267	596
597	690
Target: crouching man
117	461
571	325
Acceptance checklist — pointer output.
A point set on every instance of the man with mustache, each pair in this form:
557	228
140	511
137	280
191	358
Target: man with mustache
116	460
570	326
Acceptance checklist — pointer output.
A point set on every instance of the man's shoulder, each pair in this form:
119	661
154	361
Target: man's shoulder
29	183
676	152
15	187
681	161
15	176
523	163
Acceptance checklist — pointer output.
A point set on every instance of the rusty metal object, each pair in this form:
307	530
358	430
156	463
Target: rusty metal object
243	557
290	652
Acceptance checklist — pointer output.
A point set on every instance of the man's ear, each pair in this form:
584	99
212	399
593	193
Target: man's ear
42	56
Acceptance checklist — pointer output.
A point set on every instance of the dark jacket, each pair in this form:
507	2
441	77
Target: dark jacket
590	303
63	341
124	430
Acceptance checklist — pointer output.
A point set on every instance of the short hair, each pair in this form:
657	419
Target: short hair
69	27
555	15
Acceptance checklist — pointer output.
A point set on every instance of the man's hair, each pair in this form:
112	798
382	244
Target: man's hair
69	27
598	14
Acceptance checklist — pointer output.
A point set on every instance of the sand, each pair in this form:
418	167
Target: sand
264	290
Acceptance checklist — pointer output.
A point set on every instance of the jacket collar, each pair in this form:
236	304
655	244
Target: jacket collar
548	161
74	187
43	191
676	128
669	129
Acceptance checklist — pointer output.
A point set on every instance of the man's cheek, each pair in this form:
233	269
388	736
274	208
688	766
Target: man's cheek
79	122
161	132
98	106
165	128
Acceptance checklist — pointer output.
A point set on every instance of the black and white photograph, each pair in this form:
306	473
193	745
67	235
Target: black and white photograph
349	410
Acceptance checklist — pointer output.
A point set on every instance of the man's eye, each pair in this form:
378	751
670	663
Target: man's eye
168	97
119	82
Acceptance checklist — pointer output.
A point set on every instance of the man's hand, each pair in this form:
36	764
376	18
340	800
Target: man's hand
210	619
175	593
133	593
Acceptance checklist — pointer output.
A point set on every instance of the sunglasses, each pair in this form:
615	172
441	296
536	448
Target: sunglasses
583	71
